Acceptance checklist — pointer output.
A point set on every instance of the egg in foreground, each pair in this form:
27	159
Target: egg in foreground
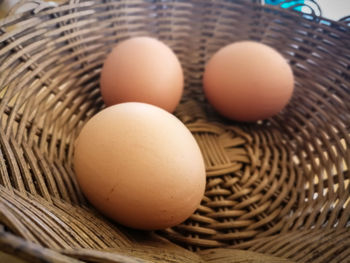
140	165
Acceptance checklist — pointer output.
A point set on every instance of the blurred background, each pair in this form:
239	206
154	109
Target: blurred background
331	9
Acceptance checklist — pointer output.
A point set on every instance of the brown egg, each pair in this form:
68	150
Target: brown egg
248	81
142	69
140	165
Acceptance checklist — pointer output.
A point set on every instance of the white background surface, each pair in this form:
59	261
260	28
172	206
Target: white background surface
334	9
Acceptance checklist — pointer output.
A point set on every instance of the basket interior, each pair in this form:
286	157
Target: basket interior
283	175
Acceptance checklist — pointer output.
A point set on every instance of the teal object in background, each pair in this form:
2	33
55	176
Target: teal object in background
285	5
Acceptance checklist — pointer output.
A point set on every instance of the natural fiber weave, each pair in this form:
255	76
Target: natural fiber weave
278	187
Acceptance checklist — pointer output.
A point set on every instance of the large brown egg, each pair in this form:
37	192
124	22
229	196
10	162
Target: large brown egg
140	165
248	81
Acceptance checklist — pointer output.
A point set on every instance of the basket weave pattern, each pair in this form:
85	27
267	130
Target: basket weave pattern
279	187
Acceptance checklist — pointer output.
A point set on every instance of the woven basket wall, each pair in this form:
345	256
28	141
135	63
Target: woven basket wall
277	190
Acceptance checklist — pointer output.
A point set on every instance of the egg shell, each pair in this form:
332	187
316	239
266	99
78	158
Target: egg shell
142	69
140	165
248	81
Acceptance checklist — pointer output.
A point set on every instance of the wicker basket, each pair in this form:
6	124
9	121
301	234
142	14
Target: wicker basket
277	190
